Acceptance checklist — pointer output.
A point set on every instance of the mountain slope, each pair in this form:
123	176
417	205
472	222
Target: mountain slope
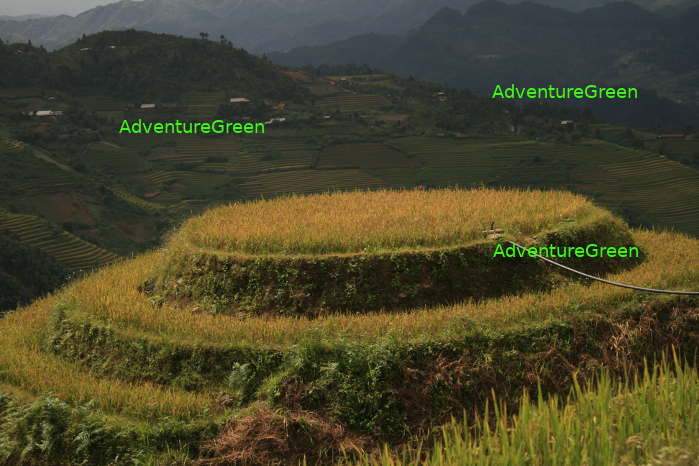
260	25
74	176
533	45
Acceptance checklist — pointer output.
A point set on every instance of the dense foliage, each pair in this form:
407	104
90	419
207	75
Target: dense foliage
142	65
25	273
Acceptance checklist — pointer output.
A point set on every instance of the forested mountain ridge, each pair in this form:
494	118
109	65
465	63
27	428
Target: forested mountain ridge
534	45
262	25
140	65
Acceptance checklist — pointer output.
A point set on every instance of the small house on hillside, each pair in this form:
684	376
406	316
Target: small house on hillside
147	106
441	96
239	100
275	120
46	113
568	124
85	49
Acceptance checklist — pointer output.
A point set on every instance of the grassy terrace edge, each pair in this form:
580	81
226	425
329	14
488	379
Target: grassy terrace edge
363	384
223	282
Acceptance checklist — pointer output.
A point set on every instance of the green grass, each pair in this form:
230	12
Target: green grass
651	419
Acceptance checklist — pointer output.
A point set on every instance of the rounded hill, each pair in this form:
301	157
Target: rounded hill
364	251
156	381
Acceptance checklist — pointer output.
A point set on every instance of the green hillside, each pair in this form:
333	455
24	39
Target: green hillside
84	192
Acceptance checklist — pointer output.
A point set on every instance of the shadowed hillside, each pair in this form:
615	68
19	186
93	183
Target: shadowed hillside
532	45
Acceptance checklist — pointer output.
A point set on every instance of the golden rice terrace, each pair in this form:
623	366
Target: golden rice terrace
359	252
332	322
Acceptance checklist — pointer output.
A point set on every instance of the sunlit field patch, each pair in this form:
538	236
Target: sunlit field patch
359	221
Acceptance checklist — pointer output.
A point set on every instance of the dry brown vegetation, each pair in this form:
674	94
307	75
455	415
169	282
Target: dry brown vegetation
270	437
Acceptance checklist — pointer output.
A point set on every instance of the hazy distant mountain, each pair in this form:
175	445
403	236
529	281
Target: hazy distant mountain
619	44
258	25
21	17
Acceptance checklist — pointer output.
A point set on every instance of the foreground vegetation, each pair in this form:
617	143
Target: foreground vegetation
651	418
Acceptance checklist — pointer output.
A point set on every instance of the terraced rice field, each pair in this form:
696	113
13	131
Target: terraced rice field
137	201
172	380
266	144
68	250
115	159
363	156
169	177
353	103
203	104
278	161
307	181
666	191
48	184
197	150
323	89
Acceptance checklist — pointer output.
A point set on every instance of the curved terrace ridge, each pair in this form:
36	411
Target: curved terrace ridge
385	250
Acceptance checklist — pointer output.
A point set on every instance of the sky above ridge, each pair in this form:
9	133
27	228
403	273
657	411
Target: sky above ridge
48	7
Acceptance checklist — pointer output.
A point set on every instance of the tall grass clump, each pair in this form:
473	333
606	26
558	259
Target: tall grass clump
646	418
350	222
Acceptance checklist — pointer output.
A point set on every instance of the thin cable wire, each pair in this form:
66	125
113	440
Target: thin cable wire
608	282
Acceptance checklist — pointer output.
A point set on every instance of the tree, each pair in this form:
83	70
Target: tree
204	35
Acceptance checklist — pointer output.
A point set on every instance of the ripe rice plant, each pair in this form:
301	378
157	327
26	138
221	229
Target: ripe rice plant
651	419
357	221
